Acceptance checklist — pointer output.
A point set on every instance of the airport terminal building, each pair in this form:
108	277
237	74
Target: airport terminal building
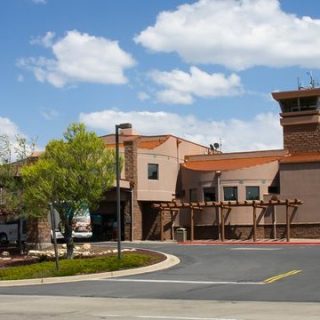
169	169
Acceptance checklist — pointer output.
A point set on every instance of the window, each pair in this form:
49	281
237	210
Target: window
209	194
230	193
193	195
252	193
153	171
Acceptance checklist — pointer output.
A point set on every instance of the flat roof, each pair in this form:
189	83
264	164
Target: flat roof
229	164
281	95
303	157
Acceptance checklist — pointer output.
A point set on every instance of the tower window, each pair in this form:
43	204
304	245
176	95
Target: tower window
153	171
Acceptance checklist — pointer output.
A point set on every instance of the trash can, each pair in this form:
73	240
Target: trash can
181	235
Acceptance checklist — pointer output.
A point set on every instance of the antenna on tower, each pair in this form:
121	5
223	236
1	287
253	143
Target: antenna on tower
300	86
312	82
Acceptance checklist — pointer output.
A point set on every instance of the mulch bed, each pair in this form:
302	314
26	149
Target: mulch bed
15	258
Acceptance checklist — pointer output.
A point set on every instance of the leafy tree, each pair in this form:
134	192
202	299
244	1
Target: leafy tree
13	154
71	173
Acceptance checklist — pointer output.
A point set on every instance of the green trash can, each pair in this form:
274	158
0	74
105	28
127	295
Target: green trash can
181	235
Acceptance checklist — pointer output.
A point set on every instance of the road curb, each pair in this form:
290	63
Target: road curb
169	262
244	243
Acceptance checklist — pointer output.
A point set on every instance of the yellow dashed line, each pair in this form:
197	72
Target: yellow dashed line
281	276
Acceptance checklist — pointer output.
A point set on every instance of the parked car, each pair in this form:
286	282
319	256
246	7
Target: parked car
9	232
81	225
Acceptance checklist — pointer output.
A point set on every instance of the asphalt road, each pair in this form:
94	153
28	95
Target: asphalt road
228	273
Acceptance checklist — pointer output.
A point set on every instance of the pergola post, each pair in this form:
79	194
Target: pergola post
254	217
171	219
288	221
191	224
161	225
217	210
221	218
274	221
222	225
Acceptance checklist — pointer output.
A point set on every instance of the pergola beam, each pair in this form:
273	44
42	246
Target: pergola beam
221	204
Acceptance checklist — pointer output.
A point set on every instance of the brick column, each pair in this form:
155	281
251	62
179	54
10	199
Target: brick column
127	220
38	233
131	174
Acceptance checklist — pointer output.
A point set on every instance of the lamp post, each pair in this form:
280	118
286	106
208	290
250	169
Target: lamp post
218	175
119	126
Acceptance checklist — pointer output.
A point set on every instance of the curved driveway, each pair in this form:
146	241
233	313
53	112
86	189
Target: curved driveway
209	272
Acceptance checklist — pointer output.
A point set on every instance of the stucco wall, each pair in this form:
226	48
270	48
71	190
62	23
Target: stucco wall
168	156
262	176
301	181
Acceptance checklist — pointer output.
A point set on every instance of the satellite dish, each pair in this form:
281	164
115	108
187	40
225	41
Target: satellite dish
211	147
216	145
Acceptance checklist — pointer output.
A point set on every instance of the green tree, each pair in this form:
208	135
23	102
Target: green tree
13	154
71	173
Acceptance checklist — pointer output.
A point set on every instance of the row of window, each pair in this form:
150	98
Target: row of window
229	194
209	194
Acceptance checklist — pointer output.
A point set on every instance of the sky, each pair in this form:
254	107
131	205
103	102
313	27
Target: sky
201	70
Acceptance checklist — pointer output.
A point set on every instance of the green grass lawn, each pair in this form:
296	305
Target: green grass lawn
78	266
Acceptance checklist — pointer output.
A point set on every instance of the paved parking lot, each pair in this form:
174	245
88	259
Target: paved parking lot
228	272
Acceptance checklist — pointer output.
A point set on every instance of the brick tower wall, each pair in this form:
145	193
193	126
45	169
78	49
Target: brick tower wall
302	138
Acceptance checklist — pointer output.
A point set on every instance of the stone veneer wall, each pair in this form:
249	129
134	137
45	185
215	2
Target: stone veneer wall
131	174
302	138
127	221
244	232
38	233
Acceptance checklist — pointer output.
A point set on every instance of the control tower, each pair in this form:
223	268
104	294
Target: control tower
300	119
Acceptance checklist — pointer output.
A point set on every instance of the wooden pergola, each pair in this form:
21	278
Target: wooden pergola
225	208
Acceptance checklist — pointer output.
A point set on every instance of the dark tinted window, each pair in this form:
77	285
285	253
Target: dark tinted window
252	193
153	171
230	193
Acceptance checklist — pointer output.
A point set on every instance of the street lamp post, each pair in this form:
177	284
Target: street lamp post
119	126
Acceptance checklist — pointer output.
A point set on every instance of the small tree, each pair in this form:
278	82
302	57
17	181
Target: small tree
13	155
71	173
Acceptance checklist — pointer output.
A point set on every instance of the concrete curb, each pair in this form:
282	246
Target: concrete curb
168	263
250	243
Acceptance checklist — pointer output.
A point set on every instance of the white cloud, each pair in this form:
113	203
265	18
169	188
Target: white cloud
45	41
260	133
181	87
20	78
238	34
49	114
9	128
142	96
39	1
80	57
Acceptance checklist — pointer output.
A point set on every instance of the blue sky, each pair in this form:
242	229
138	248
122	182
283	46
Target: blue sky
202	70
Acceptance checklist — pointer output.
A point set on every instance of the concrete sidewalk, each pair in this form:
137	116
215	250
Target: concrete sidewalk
17	307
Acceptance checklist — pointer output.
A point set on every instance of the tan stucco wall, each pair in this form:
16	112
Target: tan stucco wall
168	156
301	181
261	176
